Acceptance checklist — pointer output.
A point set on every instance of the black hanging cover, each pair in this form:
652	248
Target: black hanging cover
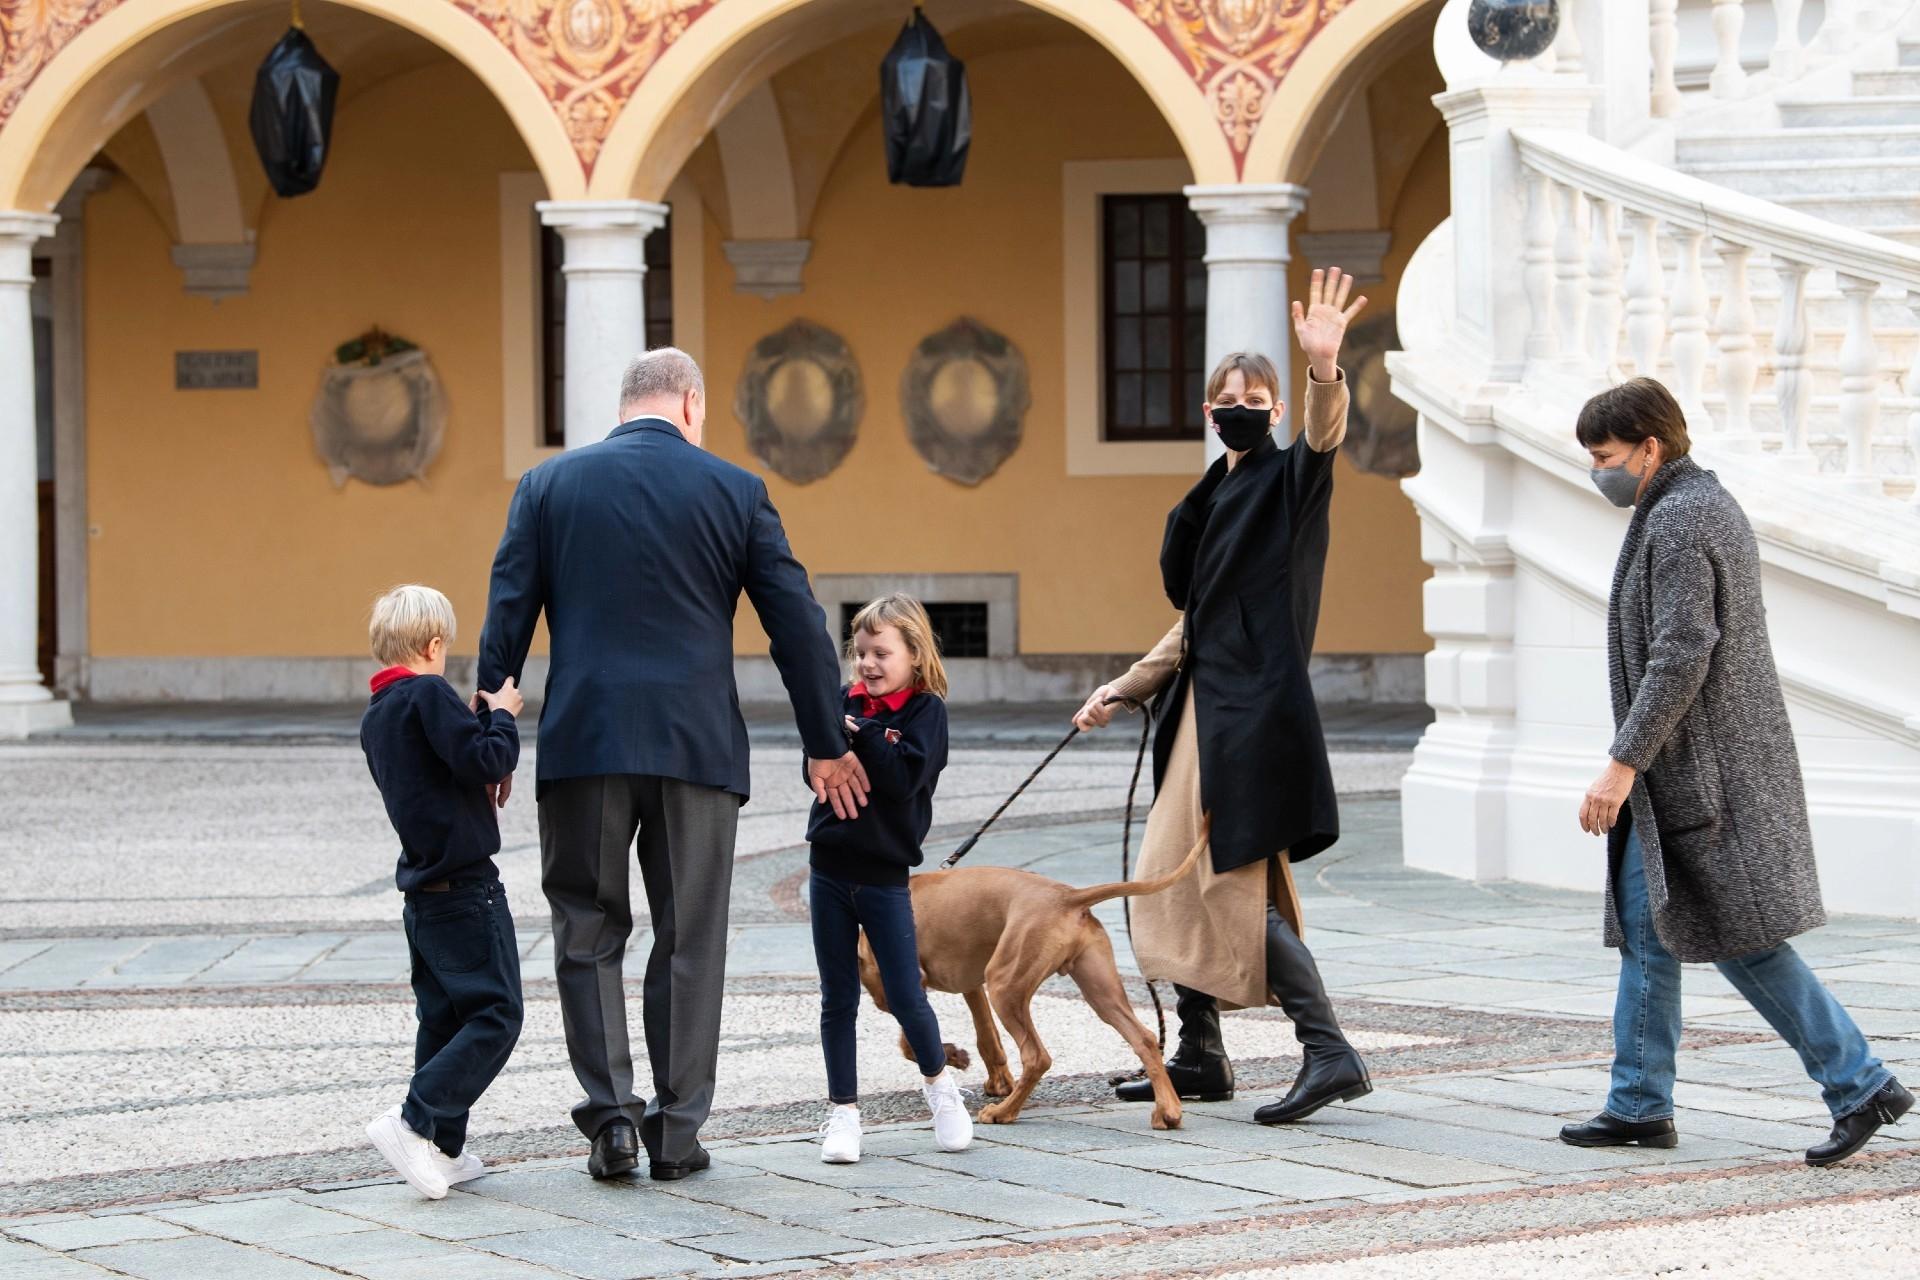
292	115
925	108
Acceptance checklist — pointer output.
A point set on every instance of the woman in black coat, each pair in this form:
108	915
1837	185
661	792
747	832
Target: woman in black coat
1239	735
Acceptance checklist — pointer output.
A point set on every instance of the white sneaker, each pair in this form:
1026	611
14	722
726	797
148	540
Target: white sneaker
841	1136
952	1126
464	1167
410	1154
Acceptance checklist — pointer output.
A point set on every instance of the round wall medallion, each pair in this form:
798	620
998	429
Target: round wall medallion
380	422
800	400
964	395
1383	437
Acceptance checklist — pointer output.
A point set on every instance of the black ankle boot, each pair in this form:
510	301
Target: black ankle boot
1850	1132
1199	1069
1606	1130
1333	1070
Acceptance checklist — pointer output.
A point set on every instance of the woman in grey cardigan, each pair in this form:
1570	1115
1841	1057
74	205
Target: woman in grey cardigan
1709	853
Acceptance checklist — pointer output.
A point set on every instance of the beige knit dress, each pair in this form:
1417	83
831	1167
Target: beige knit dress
1209	931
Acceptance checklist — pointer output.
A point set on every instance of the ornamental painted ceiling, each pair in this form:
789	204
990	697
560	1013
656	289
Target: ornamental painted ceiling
589	56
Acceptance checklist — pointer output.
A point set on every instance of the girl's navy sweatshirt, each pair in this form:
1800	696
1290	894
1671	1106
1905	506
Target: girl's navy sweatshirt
903	751
432	758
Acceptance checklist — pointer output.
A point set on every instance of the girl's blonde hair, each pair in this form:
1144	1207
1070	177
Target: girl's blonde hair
909	617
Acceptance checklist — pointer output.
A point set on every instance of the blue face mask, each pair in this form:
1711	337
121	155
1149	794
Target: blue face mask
1618	485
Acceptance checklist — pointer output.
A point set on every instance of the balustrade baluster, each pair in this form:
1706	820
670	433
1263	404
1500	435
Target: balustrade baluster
1663	31
1690	331
1729	77
1859	381
1570	56
1646	313
1570	280
1788	55
1603	297
1738	367
1792	379
1913	394
1537	271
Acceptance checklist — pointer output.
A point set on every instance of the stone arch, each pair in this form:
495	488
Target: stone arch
113	69
720	58
1335	63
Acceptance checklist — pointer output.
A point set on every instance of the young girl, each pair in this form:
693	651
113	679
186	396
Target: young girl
897	722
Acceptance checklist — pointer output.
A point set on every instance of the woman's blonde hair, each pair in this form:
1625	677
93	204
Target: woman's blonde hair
405	621
1256	369
909	617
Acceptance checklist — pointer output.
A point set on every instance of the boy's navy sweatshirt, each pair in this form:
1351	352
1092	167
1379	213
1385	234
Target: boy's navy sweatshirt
432	757
902	741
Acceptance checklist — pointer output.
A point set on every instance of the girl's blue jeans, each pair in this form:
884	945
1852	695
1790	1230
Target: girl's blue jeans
1777	982
841	909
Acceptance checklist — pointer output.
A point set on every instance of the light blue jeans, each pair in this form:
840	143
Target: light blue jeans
1777	982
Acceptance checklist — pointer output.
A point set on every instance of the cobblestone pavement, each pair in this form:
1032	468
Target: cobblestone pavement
203	1000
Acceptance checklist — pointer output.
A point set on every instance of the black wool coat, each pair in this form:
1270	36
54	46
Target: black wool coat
1243	558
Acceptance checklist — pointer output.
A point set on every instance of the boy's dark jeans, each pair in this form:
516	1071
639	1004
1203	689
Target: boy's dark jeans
841	909
466	985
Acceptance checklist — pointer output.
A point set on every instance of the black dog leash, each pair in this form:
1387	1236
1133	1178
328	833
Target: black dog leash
1126	835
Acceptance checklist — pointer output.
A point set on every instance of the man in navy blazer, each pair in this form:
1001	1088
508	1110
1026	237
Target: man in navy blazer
638	548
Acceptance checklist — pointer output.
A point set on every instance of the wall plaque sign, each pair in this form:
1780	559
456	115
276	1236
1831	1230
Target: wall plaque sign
216	370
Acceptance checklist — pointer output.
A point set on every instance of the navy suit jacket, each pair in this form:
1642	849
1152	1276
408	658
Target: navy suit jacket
638	548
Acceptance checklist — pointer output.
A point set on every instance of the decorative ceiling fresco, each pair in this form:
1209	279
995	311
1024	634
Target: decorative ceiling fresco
1237	51
589	56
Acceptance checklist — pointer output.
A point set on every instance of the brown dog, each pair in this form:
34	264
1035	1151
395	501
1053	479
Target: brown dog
994	934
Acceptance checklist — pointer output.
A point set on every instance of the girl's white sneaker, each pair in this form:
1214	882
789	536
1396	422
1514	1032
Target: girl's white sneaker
841	1136
411	1155
952	1126
464	1167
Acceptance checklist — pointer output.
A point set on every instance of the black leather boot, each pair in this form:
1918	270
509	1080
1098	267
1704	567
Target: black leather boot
1199	1069
1606	1130
1850	1133
1332	1070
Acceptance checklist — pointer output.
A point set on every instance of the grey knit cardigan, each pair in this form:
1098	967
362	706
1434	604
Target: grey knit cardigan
1697	710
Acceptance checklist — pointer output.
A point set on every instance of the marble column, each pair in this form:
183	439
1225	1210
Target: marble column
26	705
605	265
1247	256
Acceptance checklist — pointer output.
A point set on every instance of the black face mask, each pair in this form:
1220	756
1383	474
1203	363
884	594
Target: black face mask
1241	426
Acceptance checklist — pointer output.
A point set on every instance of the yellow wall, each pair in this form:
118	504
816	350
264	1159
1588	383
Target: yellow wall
220	534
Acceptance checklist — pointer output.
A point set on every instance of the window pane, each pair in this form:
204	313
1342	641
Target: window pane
1196	287
1159	400
1125	352
1193	397
1157	338
1155	230
659	245
1126	288
1156	284
1126	400
1196	233
1123	217
1195	339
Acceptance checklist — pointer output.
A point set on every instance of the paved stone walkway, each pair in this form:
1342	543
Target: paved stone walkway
202	1000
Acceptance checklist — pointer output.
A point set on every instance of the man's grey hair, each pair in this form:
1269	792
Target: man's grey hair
664	372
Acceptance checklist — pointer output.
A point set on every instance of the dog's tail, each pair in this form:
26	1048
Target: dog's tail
1138	888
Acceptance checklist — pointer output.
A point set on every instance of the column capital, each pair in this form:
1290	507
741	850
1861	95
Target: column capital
19	232
602	215
1266	201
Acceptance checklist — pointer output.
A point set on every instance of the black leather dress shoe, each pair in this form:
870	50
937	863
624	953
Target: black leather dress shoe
615	1151
1605	1130
663	1171
1850	1133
